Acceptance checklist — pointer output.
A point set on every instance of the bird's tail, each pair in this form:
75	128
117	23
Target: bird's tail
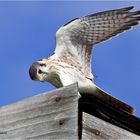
107	98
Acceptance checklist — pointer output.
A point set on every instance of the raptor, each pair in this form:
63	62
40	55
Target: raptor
71	61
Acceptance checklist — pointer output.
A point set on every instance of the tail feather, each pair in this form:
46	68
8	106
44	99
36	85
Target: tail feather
113	101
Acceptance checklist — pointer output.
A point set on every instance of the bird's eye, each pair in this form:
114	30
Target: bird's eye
39	71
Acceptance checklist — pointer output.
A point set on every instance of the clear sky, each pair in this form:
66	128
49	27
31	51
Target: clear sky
27	33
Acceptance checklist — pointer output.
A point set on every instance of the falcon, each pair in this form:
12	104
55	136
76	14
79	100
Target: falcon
71	61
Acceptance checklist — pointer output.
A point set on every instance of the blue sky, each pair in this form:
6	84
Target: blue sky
27	33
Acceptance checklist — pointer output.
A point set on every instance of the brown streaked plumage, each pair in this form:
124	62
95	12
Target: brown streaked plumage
71	61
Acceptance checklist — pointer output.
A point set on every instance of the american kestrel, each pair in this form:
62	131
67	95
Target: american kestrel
71	61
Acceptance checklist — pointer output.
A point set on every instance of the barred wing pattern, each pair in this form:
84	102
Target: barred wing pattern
104	25
78	36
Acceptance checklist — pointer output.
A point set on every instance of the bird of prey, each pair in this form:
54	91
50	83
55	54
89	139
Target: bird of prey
71	61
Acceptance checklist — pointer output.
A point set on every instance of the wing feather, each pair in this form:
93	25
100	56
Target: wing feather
78	36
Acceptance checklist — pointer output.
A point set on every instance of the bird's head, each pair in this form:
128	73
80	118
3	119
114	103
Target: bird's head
39	71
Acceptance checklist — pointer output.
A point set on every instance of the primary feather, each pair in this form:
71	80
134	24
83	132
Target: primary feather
78	36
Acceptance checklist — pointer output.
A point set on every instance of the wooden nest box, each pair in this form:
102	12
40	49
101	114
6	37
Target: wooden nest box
60	114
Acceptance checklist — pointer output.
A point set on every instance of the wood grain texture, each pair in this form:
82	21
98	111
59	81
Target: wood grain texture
96	107
54	115
46	116
95	128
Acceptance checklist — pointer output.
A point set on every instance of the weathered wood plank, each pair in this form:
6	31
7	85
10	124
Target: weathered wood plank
94	106
45	116
55	116
95	128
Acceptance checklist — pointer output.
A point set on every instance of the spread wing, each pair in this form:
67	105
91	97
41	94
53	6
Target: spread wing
76	38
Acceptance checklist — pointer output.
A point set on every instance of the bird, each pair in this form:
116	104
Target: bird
71	61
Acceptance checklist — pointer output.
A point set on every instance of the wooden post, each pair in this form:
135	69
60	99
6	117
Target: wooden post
95	128
60	115
50	115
